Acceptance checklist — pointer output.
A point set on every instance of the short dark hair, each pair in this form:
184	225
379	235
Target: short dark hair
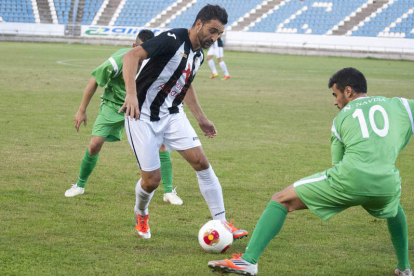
145	35
349	77
210	12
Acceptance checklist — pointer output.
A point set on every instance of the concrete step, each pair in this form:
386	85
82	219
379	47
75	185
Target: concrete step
161	19
44	11
108	13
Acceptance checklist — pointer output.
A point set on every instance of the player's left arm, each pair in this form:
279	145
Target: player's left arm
131	62
205	124
337	150
337	146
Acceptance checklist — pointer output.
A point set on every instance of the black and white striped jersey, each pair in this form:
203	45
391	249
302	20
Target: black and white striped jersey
166	75
220	42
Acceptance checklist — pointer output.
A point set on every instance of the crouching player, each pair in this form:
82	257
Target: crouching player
367	136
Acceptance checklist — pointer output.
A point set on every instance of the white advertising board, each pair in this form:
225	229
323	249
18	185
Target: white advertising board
32	29
115	31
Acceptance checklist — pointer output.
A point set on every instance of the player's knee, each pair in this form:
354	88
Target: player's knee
201	163
151	182
281	198
94	148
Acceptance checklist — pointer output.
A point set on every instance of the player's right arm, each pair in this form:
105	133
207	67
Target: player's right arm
131	62
163	44
337	145
80	116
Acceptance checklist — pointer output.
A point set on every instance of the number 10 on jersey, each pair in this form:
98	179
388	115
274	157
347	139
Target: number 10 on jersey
363	124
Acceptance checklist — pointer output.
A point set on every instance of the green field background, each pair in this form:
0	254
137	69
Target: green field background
273	118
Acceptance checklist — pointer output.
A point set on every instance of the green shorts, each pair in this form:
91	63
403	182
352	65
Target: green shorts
109	123
324	201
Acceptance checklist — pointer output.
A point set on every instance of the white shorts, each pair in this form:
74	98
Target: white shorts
146	138
215	50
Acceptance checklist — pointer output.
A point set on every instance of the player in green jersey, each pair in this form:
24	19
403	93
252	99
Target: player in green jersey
109	124
367	136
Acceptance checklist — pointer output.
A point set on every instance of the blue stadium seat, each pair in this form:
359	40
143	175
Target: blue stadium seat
16	11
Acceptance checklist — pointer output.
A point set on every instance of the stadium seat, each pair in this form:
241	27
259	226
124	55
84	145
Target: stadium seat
17	11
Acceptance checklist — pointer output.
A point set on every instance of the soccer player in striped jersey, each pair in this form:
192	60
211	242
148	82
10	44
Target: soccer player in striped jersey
367	136
109	124
154	110
217	50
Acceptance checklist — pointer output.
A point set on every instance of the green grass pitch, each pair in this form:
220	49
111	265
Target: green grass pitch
273	118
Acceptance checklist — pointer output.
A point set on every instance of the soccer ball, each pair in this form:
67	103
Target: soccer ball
215	237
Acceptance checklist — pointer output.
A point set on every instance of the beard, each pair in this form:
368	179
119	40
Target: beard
205	43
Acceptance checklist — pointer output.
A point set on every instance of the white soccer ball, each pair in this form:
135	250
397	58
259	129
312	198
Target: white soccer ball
215	237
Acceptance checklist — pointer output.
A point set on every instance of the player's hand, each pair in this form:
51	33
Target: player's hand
130	107
208	128
79	118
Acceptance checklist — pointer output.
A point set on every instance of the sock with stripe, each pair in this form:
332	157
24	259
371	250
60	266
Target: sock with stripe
268	226
211	190
212	66
397	226
224	68
86	168
166	171
143	199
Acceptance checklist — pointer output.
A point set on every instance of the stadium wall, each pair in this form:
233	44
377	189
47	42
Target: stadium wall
354	46
297	44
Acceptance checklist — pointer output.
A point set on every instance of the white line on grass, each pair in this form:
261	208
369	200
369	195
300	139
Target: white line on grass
65	62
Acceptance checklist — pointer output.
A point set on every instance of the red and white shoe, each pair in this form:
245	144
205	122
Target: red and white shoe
237	233
235	265
407	272
142	227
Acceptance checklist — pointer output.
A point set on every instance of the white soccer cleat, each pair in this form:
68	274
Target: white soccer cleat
173	198
74	191
142	227
407	272
235	265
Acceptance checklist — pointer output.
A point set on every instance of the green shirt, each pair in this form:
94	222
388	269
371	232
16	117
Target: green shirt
109	74
367	136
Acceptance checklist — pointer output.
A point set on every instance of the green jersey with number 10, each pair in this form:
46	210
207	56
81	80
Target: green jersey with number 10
367	136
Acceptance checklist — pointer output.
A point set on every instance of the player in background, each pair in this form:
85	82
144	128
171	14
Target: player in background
217	50
367	136
109	124
154	110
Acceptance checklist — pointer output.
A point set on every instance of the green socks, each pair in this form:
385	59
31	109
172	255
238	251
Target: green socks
397	227
86	168
166	171
267	228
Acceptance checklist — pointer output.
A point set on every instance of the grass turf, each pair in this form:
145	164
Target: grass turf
273	119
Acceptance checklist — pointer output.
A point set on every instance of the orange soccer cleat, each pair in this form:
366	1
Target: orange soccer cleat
213	76
142	227
226	77
237	233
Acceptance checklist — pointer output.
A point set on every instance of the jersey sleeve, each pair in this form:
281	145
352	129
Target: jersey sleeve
337	145
163	44
409	106
107	70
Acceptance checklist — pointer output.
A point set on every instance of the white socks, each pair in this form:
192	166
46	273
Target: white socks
211	190
143	199
224	68
212	66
